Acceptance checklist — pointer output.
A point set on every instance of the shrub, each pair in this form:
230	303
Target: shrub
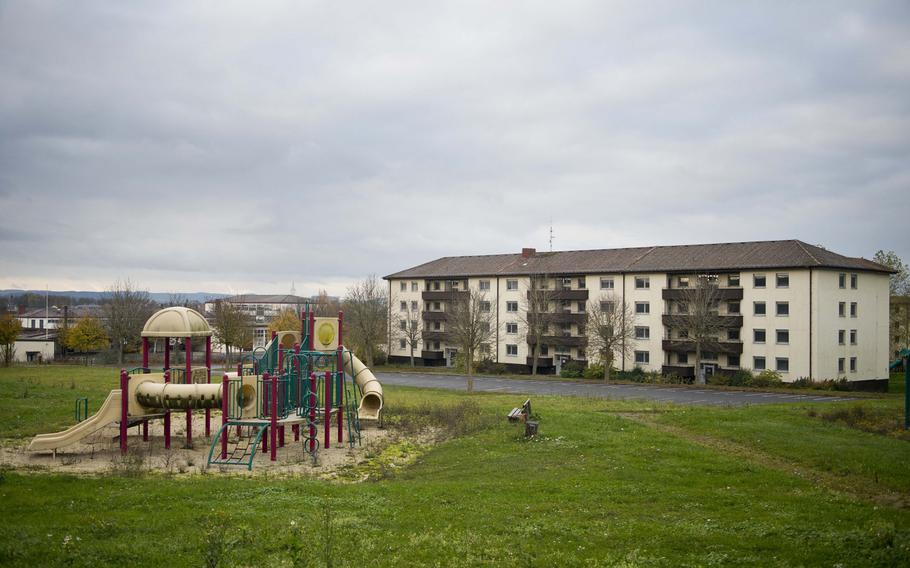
594	371
491	367
767	378
572	370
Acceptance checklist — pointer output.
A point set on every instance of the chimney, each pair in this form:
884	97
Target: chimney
21	309
528	252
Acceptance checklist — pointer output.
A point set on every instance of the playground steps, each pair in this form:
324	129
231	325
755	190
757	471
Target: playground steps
241	452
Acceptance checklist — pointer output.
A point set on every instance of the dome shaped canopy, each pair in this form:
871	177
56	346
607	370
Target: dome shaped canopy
176	322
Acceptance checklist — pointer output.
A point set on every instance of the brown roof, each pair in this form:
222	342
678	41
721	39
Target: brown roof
677	258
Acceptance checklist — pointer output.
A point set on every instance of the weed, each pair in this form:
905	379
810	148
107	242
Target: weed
129	465
884	421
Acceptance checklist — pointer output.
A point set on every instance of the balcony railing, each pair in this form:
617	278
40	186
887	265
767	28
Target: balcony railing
727	320
432	355
566	340
436	295
435	335
687	293
429	315
688	346
559	317
561	294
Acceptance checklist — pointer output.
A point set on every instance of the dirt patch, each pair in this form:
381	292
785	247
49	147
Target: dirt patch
100	453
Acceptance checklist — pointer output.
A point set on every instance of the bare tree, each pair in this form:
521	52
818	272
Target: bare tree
365	307
10	327
231	327
611	330
696	316
325	305
470	327
126	309
407	325
534	317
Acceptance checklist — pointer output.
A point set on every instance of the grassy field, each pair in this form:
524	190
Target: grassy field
608	483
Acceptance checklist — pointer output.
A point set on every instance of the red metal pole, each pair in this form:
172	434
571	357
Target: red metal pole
188	379
145	430
340	327
124	408
310	330
208	367
312	405
167	414
240	376
167	353
340	387
145	354
328	410
225	387
273	431
266	389
299	381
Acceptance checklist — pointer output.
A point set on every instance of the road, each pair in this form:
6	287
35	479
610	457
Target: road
659	393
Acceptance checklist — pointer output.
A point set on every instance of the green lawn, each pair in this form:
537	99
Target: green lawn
608	483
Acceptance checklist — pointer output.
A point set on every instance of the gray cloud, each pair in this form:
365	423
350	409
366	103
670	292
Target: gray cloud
240	148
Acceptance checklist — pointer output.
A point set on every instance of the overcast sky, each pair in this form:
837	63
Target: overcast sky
240	146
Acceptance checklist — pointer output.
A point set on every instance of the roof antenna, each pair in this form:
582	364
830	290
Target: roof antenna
551	234
293	290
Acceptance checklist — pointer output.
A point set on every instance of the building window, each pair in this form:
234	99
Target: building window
511	306
841	365
783	309
783	336
642	282
404	286
682	358
733	360
642	332
484	306
732	335
842	309
852	337
783	280
581	307
606	283
758	363
511	284
853	280
582	283
607	307
511	327
683	281
403	325
484	285
642	357
436	285
544	350
758	308
642	308
402	343
437	326
709	355
436	346
841	334
682	307
33	324
841	280
413	305
732	307
733	280
511	350
403	306
783	365
759	281
413	286
852	309
852	364
758	336
437	306
683	334
485	326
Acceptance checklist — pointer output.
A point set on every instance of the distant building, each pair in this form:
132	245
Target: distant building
787	306
36	346
54	316
261	308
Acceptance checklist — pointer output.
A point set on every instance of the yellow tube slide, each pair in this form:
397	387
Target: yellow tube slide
370	389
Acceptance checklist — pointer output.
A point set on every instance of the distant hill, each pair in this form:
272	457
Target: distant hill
160	297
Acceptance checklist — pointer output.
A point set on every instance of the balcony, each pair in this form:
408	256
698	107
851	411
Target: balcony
559	317
686	293
678	320
432	355
444	295
435	336
434	316
564	339
687	346
564	294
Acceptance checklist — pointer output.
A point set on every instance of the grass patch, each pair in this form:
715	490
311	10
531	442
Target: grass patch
594	489
885	420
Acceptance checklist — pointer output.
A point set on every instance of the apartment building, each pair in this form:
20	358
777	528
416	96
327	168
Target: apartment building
788	306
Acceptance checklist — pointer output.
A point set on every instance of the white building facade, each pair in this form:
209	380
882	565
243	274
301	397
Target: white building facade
786	306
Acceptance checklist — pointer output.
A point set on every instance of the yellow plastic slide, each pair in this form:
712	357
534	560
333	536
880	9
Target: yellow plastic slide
108	413
370	389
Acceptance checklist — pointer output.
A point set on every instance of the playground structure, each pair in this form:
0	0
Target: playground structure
298	380
898	364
